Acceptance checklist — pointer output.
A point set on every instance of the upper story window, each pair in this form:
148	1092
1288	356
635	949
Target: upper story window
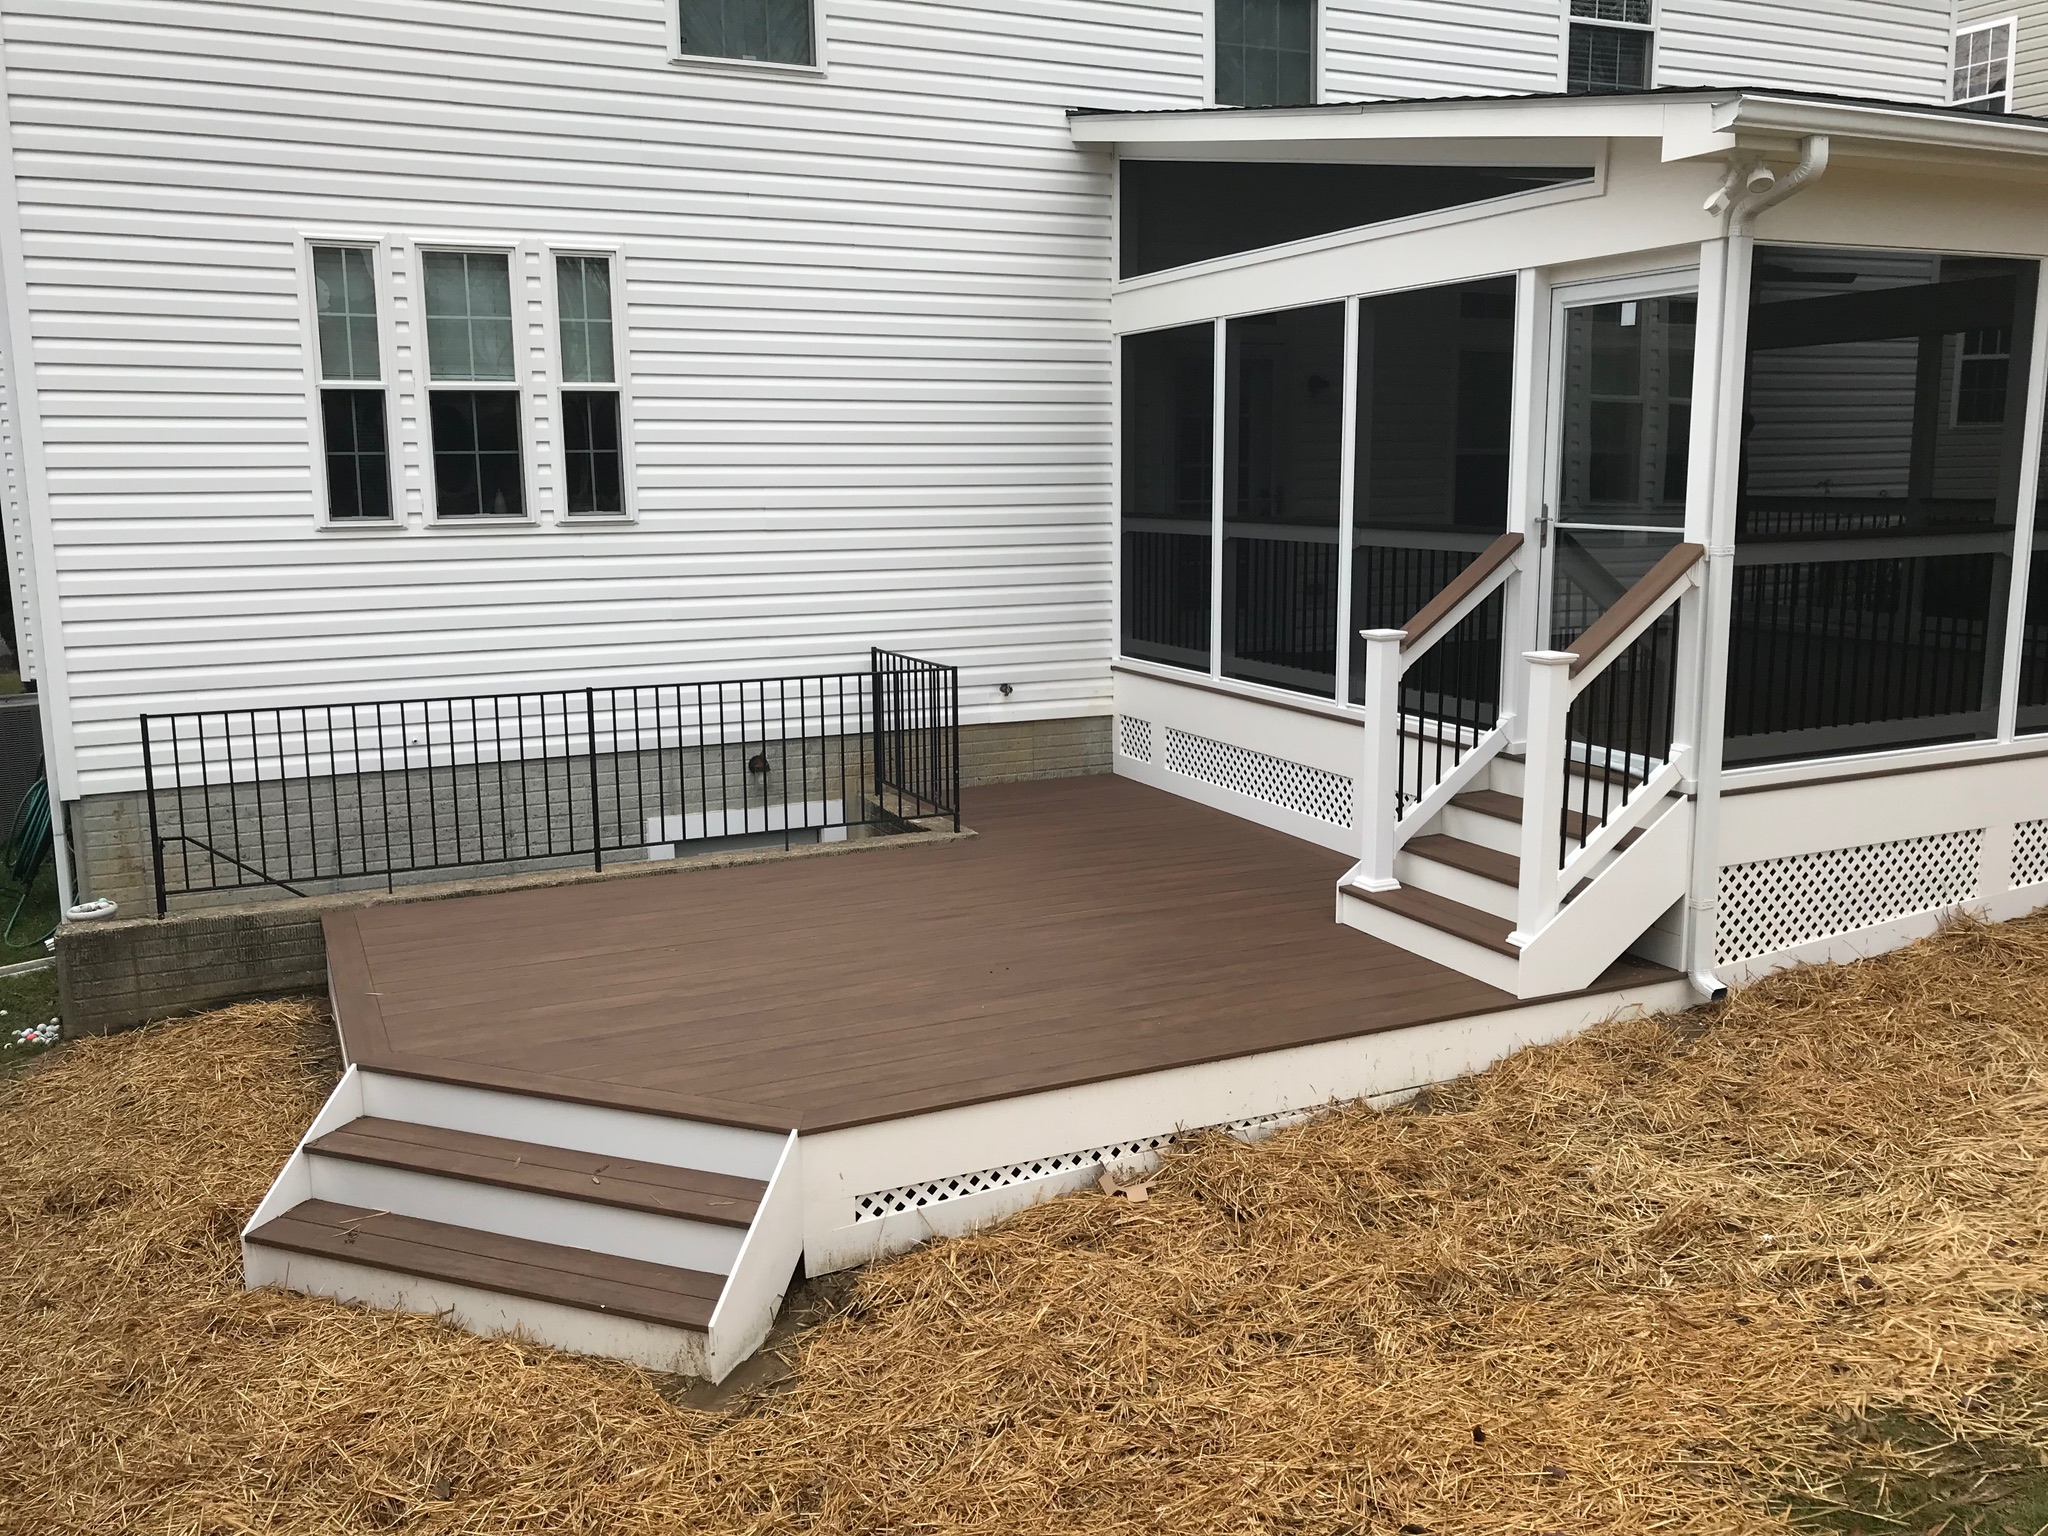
592	460
473	393
354	443
1265	53
1609	46
763	31
1983	69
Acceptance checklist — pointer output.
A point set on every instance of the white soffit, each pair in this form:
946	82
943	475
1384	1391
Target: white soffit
1557	130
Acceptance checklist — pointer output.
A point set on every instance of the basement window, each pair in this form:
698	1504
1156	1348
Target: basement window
1608	47
1982	79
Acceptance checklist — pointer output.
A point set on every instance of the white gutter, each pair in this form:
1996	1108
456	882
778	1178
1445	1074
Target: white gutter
1763	190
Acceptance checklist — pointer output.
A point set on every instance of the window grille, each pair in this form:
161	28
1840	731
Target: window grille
354	443
1982	78
478	457
1608	46
591	414
1265	53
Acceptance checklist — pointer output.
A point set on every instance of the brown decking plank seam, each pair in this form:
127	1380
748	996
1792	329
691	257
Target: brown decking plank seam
556	1171
511	1266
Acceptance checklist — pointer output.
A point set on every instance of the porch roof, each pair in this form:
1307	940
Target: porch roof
1689	124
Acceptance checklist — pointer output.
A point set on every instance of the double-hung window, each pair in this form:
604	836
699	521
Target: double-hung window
354	443
1982	80
1609	46
761	31
1265	53
591	450
473	391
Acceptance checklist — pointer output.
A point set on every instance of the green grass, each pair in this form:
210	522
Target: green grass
27	999
1918	1480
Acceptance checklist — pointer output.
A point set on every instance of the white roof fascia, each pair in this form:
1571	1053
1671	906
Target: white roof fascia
1688	127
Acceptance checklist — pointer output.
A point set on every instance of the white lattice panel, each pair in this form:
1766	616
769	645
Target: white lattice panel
1312	792
1134	736
911	1197
1777	904
2030	853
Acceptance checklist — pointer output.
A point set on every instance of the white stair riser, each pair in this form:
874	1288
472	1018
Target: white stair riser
575	1127
1476	827
1459	885
672	1240
1446	949
652	1345
1505	774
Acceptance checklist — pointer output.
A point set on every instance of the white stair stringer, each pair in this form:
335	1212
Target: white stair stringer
660	1278
1613	909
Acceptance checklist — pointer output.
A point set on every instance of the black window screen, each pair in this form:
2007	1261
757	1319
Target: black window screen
1173	212
774	31
1880	475
1166	498
1265	53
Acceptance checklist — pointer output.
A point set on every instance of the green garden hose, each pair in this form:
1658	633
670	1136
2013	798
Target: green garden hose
28	845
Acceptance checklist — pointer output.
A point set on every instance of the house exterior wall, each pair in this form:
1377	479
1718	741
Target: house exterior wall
1881	48
2030	46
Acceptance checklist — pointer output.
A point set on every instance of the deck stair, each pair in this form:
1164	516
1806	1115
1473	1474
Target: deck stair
641	1237
1529	853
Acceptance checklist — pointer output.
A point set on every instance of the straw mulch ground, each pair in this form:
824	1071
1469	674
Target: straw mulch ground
1632	1283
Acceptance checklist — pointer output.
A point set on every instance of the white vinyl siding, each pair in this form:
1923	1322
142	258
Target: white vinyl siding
864	331
1897	50
17	533
1387	49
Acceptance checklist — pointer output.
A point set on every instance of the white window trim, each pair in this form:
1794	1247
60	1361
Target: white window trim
622	374
1318	58
2012	54
718	63
382	264
423	384
1564	41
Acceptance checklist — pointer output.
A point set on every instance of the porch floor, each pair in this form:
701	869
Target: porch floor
1094	929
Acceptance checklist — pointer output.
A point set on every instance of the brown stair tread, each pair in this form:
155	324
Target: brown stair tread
1473	858
592	1176
511	1266
1445	915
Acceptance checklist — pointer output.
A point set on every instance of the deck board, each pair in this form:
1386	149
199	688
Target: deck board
1095	928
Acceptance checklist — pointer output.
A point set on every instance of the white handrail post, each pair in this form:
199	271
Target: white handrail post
1380	781
1550	697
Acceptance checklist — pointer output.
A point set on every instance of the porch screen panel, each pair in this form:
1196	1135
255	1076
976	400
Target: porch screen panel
1880	478
2033	638
1169	393
1435	384
1174	212
1282	435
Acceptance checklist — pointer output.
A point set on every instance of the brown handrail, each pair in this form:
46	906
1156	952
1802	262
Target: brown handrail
1460	587
1600	635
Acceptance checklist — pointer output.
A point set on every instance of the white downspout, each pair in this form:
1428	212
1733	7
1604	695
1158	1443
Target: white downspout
1763	190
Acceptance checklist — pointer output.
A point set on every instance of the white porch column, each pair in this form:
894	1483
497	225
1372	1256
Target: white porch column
1380	764
1550	697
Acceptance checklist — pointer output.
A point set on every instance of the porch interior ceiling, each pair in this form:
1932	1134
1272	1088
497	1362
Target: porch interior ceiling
1687	124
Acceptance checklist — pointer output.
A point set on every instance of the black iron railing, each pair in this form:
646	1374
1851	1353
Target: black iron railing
1450	698
1618	731
329	794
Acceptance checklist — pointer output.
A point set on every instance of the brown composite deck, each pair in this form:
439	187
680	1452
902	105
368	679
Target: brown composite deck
1094	929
